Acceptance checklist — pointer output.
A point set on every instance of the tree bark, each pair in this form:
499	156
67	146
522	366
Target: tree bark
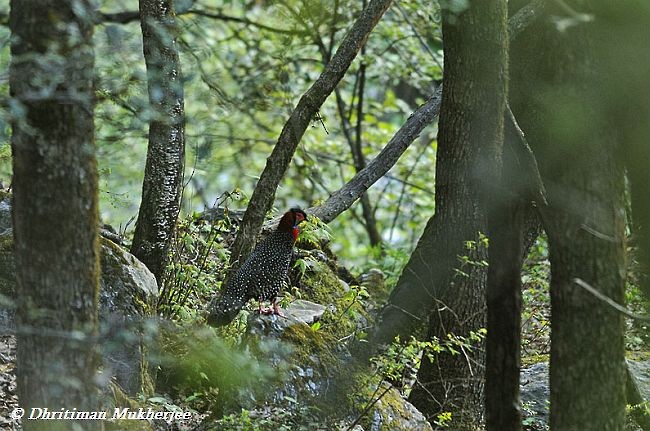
557	99
55	214
309	104
470	142
163	176
513	225
623	31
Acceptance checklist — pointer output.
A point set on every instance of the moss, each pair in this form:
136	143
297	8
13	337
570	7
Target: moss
638	355
322	285
310	344
527	361
121	400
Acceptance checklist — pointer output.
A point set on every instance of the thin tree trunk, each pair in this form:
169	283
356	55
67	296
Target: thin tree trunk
309	104
564	117
513	227
163	176
55	215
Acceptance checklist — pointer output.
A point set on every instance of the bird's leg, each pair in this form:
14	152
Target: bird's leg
276	309
265	310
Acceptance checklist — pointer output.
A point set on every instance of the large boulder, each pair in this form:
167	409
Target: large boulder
127	300
127	305
535	392
392	412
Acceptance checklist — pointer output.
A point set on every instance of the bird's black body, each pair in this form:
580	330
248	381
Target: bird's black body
262	274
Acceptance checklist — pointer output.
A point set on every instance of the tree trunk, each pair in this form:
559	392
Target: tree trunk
163	176
513	226
469	147
55	215
565	122
623	32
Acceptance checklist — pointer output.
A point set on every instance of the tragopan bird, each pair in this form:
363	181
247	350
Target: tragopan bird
262	274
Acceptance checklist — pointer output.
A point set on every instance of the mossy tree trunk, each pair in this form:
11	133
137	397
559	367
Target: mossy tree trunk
55	215
558	98
163	176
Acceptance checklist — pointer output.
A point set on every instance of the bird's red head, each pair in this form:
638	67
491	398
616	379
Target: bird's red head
290	221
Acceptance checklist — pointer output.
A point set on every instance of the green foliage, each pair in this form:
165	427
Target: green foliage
313	232
389	259
536	318
203	370
400	362
300	418
197	263
637	336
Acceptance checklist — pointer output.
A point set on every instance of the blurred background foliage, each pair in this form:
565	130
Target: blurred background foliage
245	65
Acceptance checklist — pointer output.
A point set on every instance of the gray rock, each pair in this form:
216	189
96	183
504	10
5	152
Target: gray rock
641	372
394	413
5	213
127	298
298	312
127	301
535	394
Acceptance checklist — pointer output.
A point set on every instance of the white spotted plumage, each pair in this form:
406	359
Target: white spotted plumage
261	276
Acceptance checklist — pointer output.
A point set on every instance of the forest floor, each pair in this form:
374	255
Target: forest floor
8	395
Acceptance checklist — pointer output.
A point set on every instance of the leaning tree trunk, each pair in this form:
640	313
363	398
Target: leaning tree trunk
55	215
556	96
163	176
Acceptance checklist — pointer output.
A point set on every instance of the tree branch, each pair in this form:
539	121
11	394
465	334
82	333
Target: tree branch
293	130
380	165
422	117
126	17
609	301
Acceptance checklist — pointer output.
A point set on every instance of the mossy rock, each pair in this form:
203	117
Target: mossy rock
127	297
119	399
345	315
397	414
316	348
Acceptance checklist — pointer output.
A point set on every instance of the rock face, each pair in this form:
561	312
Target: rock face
7	272
394	413
641	372
535	395
298	312
535	392
127	298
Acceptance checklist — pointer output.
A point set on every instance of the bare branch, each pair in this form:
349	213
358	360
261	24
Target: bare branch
609	301
422	117
377	168
126	17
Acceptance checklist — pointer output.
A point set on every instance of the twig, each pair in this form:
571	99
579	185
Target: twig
609	301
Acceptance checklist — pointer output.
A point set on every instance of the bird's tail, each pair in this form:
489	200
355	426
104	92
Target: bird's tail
223	309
